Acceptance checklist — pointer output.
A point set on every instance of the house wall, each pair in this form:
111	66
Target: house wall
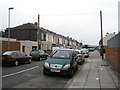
113	56
50	38
107	37
28	46
13	46
60	40
113	52
0	47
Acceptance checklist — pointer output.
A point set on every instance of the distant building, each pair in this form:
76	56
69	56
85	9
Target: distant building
107	37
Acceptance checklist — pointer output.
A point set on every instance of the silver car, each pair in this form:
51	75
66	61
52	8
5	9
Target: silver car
85	52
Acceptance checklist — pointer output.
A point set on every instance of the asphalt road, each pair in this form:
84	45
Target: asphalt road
31	76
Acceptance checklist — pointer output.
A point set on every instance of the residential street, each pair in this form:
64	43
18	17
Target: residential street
31	76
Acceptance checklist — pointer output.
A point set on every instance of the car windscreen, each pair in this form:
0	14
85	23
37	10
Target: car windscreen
7	53
61	54
34	52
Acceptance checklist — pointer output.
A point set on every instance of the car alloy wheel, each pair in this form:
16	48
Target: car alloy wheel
16	63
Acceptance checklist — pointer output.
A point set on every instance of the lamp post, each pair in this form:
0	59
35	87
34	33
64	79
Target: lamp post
101	35
9	27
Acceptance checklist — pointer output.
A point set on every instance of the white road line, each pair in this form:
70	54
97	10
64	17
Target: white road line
20	72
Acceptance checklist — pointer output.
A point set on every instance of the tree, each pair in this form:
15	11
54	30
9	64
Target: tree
2	33
85	46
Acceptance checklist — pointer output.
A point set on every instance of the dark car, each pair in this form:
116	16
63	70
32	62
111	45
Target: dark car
38	55
15	58
62	61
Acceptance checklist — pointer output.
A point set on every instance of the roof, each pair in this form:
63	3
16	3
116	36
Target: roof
25	26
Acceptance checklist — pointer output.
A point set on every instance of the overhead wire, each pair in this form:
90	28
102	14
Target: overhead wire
71	14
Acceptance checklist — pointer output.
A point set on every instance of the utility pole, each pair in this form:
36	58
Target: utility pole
101	51
38	32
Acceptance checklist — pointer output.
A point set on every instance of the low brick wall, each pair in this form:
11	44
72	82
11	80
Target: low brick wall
113	57
13	46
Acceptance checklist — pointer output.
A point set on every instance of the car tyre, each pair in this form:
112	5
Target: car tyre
29	61
79	63
45	73
76	68
83	61
40	59
71	74
16	63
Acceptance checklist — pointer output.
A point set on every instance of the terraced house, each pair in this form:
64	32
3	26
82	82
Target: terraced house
31	37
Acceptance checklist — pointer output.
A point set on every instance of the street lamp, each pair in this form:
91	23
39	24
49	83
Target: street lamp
9	27
101	35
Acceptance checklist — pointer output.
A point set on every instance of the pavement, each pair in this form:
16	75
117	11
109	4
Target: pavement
95	74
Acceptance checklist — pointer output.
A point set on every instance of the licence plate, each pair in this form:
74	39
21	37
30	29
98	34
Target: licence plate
52	70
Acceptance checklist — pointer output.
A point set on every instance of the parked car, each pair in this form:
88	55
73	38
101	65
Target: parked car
38	55
85	52
62	61
91	49
81	57
15	58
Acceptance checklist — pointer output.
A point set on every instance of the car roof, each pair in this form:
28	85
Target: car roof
13	51
66	49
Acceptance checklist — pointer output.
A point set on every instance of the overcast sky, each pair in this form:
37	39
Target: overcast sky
79	19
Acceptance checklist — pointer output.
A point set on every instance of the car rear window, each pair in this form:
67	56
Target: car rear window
34	52
61	54
84	50
7	53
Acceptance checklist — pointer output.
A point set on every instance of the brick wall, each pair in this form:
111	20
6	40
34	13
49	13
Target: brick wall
13	46
113	56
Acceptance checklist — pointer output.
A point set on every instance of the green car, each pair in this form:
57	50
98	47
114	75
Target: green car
62	61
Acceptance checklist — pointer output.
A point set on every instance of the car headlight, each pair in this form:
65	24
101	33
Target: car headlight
46	64
67	66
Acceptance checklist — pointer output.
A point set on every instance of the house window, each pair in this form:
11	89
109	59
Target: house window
42	36
46	37
23	48
34	48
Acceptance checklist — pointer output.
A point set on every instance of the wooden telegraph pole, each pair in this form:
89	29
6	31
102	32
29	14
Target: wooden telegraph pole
38	32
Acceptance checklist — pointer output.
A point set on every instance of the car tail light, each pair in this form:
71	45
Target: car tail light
6	57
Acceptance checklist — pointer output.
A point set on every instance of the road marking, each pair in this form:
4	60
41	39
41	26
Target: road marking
20	72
